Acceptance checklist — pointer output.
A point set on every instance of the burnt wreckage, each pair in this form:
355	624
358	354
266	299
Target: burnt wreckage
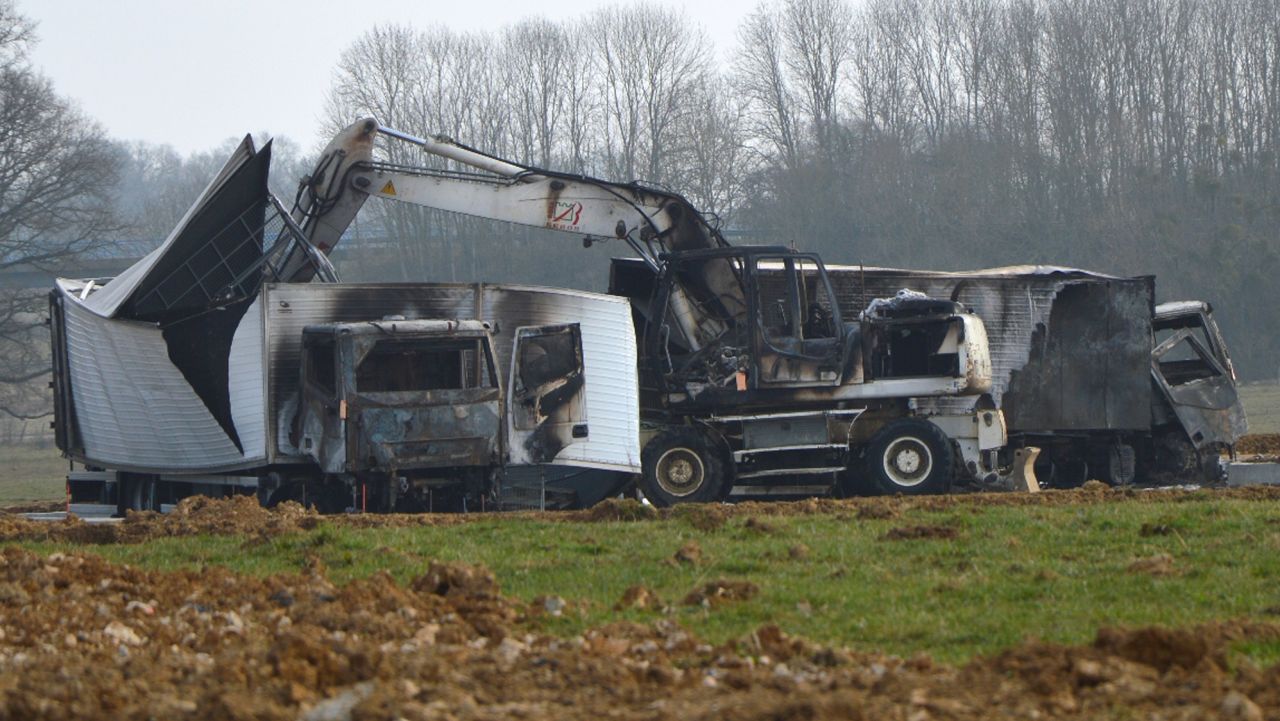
199	370
1089	369
749	384
207	363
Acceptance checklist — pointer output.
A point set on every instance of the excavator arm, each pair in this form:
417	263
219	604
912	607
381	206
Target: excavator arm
649	220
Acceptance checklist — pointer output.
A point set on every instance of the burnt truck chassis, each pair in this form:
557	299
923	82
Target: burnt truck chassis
1081	372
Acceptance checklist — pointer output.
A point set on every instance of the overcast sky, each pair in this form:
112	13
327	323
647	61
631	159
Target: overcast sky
193	73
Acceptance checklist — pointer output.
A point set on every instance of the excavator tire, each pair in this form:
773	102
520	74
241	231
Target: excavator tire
910	456
682	465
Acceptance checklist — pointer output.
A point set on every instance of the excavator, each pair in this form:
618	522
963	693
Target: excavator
752	383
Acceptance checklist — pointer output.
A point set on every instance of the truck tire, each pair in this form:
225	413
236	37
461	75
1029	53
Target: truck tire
682	465
910	456
135	492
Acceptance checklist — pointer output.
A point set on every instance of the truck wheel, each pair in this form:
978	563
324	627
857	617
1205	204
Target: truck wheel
911	456
134	492
682	465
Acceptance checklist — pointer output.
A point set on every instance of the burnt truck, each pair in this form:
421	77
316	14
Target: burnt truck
197	372
750	384
1089	369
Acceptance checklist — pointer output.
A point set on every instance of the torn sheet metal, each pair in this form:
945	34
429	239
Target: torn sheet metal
1070	349
200	256
135	410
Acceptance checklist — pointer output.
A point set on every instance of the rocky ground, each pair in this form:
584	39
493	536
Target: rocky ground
83	638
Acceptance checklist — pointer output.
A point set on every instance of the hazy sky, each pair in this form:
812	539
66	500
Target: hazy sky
193	73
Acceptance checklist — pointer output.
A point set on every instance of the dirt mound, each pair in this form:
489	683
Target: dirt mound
238	515
83	638
241	515
720	592
1259	444
1161	564
690	553
911	533
639	598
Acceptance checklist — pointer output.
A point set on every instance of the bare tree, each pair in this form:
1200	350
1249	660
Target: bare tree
17	33
711	152
818	37
651	59
537	56
760	76
56	175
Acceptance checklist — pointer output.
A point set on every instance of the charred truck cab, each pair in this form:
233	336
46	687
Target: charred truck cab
783	396
410	412
1196	413
411	415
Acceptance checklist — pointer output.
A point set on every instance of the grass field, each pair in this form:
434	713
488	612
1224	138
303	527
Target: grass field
979	579
30	473
1262	407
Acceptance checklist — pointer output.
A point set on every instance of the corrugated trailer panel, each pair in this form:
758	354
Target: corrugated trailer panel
135	409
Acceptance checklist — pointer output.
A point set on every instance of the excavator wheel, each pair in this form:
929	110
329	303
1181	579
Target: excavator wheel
683	465
910	456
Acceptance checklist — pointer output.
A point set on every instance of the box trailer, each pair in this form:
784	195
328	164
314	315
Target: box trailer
168	412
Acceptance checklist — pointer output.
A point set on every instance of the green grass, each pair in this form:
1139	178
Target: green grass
29	473
1053	573
1262	406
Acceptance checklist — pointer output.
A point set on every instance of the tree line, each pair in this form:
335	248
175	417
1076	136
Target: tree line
1125	136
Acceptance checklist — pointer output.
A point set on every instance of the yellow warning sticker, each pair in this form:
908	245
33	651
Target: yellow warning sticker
389	188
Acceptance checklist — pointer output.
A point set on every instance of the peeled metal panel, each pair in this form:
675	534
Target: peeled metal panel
107	301
608	346
136	410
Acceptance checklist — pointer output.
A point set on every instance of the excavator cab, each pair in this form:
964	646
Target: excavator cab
782	329
785	334
797	335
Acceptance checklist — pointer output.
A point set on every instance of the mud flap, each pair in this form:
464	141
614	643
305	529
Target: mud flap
1023	472
547	410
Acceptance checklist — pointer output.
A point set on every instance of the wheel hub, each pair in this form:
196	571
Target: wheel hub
680	472
908	461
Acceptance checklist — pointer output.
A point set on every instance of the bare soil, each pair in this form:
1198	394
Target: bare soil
241	515
83	638
1259	446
